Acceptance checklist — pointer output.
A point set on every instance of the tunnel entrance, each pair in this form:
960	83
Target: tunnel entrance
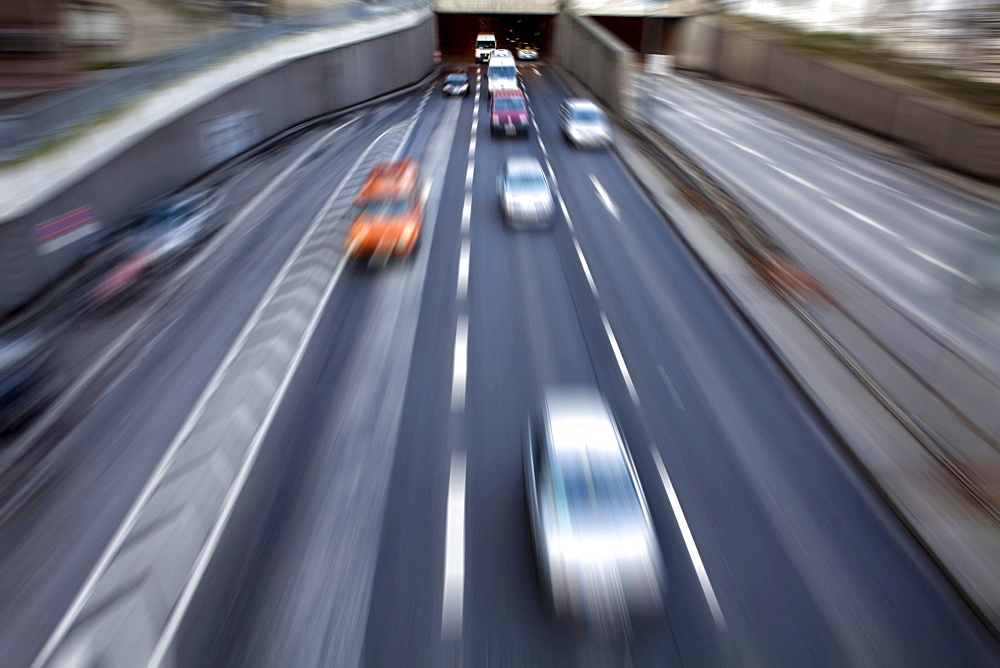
457	32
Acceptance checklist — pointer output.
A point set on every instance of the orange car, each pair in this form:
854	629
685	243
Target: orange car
388	212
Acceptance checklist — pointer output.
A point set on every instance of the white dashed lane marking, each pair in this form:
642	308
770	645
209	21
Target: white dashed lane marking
749	150
618	356
942	265
692	548
794	177
454	551
605	197
460	366
864	219
463	271
586	267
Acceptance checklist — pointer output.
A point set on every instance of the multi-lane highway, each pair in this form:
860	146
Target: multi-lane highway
381	518
920	242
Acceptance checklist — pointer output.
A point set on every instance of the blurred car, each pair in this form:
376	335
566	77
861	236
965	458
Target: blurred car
25	377
178	224
456	83
597	553
388	212
525	196
527	53
509	112
501	74
583	123
113	270
153	240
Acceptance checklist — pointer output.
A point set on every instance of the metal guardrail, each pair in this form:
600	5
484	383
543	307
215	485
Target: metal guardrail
27	128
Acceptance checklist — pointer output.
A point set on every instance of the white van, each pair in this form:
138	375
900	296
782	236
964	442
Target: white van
485	43
502	73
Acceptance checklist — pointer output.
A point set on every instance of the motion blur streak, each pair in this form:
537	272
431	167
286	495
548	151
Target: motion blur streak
404	389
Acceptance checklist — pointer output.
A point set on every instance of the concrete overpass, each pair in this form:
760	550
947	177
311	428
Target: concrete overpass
648	26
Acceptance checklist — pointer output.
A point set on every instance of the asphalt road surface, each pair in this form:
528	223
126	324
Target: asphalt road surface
395	447
921	242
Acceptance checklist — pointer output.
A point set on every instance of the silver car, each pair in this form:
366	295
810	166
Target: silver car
584	124
598	557
525	196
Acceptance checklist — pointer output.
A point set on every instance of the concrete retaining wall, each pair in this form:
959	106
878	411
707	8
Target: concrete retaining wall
955	136
182	150
597	58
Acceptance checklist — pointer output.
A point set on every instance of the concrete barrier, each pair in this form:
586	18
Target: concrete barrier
179	151
958	137
597	58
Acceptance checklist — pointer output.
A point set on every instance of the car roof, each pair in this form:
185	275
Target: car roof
485	34
502	60
523	164
391	179
579	419
580	103
508	92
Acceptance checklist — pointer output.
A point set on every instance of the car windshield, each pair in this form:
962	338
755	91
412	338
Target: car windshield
587	115
385	207
485	45
508	103
525	181
456	78
594	490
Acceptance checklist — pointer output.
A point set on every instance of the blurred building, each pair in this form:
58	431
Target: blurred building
32	54
48	44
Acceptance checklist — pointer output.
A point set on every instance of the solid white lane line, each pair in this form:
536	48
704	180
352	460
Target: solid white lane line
796	178
605	197
463	271
692	548
409	128
467	212
535	124
864	219
621	360
472	146
586	267
208	550
750	150
460	365
938	263
454	550
469	172
670	386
